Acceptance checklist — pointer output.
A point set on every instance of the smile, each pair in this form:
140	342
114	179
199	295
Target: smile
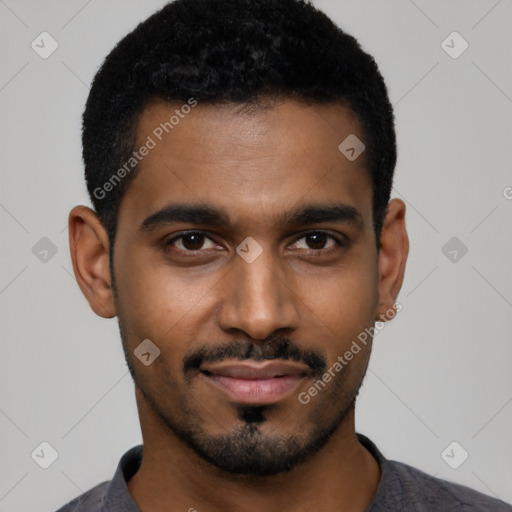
256	384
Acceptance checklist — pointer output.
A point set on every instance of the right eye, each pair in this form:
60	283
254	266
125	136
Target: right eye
190	242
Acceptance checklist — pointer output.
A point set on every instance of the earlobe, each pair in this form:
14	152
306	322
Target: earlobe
394	249
89	248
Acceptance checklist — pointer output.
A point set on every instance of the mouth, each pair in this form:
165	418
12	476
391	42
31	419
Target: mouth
256	384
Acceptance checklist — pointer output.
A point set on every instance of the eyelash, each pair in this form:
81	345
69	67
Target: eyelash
340	243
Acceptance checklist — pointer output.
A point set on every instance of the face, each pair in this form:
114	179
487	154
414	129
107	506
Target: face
245	240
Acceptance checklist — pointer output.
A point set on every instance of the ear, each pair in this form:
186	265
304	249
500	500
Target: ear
394	248
89	247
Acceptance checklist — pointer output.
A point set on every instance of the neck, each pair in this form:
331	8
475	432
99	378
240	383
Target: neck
343	475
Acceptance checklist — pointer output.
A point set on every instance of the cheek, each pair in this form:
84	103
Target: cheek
159	302
344	307
345	296
345	311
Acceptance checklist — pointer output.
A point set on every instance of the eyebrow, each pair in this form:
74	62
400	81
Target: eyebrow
207	214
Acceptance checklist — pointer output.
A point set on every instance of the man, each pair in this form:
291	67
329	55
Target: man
239	155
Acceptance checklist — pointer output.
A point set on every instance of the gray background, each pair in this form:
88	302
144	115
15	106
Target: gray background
440	372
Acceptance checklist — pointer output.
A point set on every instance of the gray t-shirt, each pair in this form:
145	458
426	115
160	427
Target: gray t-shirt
401	488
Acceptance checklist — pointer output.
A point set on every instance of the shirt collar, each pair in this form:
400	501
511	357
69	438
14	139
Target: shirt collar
118	497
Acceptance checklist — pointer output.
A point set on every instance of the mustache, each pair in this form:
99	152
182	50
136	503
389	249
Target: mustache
281	348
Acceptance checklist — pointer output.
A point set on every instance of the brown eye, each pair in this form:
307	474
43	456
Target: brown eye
318	241
189	242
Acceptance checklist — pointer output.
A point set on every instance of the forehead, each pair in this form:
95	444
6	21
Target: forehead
255	164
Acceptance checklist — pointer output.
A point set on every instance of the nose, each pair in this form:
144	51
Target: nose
258	298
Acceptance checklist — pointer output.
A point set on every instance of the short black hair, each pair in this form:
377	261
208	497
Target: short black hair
231	51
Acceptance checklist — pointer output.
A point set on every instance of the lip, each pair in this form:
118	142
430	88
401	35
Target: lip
256	384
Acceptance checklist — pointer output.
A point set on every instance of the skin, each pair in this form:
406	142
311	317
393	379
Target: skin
256	165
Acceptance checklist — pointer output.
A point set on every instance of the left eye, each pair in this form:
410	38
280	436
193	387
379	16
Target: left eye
316	240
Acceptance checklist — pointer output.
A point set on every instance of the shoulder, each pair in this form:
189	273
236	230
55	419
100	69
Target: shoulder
89	501
408	488
111	494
